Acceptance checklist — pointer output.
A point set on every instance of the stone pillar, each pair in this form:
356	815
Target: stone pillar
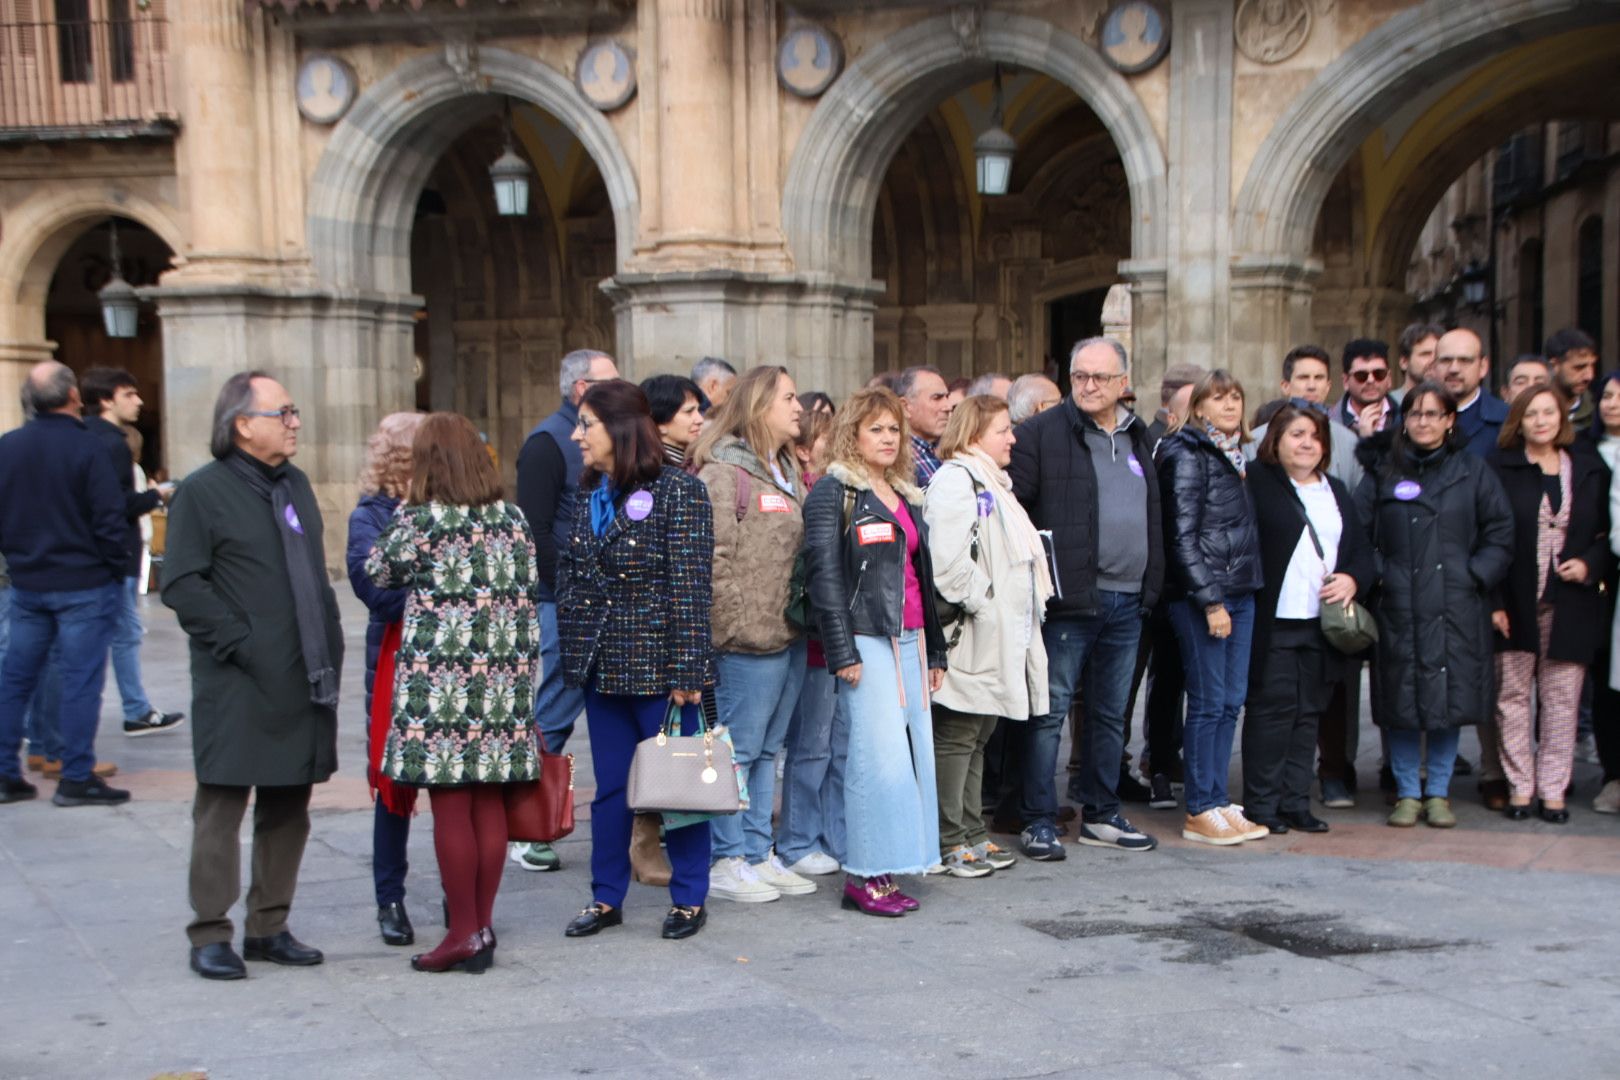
695	173
1149	321
16	357
1271	313
1201	67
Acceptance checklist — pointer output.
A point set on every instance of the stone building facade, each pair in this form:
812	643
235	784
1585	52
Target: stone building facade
303	186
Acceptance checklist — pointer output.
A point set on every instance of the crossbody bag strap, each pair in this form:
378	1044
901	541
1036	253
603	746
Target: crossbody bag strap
744	489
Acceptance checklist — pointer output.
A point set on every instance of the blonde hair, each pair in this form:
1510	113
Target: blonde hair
845	448
1219	381
968	423
743	415
388	456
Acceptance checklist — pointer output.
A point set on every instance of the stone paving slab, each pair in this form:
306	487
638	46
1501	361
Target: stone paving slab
1480	952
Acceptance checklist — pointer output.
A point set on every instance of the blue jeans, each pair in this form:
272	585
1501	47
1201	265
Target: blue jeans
42	721
1217	671
1107	639
891	801
82	621
755	698
126	652
813	782
1406	755
556	704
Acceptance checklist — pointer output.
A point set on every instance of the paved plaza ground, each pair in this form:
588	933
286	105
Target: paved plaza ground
1486	951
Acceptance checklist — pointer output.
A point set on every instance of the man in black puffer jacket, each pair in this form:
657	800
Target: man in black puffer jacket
1084	471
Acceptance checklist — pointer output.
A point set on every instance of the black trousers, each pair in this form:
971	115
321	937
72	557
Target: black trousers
1279	727
1605	718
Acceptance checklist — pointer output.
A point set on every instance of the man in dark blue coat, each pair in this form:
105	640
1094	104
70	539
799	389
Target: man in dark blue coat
62	530
1461	365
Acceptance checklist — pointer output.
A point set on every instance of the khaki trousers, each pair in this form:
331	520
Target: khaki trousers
280	828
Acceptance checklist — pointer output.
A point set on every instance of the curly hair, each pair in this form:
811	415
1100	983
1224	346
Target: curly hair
844	447
388	456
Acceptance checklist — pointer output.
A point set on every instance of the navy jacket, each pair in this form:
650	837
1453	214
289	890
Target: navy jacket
137	504
366	523
62	523
1481	423
548	469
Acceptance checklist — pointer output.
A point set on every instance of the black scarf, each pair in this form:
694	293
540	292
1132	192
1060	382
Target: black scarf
304	571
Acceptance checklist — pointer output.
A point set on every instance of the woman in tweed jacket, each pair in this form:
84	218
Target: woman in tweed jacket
633	589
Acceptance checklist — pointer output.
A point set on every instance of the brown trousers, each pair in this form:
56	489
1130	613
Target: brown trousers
280	828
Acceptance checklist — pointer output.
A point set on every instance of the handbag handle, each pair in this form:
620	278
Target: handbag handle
671	727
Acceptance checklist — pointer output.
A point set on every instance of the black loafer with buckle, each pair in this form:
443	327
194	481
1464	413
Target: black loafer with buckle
594	919
683	922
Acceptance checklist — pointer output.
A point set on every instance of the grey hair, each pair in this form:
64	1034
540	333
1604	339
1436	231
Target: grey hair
235	399
906	381
574	367
984	383
1024	394
1112	343
48	394
710	365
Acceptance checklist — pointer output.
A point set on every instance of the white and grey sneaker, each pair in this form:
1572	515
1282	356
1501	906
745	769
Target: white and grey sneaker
153	723
780	878
1116	832
997	857
963	863
734	879
816	864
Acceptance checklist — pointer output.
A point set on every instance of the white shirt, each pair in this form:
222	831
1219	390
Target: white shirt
1299	597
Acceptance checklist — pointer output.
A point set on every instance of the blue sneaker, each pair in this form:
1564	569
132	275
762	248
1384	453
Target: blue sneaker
1116	832
1040	842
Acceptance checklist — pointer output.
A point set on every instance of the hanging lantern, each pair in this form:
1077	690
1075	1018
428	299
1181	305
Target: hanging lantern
120	307
993	151
510	175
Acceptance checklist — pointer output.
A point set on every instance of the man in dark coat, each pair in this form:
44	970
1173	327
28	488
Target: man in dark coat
245	573
62	533
1460	364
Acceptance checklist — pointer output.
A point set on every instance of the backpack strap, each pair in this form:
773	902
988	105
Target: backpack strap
744	490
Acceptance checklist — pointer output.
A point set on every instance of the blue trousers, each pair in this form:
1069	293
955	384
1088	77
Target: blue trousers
82	621
1405	759
756	698
390	833
617	722
1217	671
126	651
556	704
813	781
42	722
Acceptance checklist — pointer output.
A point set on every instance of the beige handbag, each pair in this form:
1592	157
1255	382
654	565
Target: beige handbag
688	774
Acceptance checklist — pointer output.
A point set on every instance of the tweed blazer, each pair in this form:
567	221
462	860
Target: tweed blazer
633	604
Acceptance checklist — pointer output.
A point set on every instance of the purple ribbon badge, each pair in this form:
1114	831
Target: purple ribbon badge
987	504
1136	466
1407	490
638	506
292	520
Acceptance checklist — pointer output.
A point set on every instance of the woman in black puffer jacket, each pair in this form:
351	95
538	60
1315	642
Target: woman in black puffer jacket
1212	550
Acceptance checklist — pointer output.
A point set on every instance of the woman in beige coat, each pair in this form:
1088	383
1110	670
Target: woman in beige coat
987	559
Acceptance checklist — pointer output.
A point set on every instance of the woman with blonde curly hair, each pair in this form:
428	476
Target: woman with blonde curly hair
870	582
384	481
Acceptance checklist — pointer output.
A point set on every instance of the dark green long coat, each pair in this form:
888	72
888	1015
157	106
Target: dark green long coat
225	576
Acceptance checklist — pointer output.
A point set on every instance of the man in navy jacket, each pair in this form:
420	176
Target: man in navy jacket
62	530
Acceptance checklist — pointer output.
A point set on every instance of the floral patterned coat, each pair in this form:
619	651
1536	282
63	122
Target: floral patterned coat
463	678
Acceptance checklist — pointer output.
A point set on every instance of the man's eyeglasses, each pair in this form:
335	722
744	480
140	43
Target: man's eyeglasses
1086	378
1371	375
1455	361
287	413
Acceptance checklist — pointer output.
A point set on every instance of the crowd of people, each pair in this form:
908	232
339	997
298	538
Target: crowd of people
892	606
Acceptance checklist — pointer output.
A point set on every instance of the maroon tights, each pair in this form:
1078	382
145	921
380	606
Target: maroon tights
469	837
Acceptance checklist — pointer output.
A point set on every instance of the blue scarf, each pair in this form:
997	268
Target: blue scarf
602	509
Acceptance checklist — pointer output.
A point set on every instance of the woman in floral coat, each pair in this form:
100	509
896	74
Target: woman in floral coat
462	707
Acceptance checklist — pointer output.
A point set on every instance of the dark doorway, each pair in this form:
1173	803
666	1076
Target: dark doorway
1071	319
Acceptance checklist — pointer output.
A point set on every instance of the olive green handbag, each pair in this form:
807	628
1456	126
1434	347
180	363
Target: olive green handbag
1350	628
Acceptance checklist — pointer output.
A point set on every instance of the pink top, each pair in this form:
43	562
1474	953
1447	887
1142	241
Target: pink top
912	611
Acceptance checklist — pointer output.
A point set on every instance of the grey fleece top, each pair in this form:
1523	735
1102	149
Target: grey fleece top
1122	517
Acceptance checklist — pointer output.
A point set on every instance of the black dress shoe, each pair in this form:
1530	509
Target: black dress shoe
1276	824
683	922
593	919
1305	821
283	948
91	792
395	925
16	790
217	961
1555	817
1517	813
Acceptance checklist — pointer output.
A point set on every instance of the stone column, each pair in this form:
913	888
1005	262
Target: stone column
16	357
1271	313
695	173
1201	68
1149	321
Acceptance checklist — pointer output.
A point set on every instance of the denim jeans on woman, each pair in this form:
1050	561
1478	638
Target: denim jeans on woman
1420	772
891	805
1217	681
756	698
813	782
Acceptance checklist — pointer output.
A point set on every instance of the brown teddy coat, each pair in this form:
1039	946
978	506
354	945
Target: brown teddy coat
758	530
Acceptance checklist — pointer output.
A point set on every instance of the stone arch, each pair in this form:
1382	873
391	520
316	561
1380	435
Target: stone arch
363	193
833	181
39	231
1282	195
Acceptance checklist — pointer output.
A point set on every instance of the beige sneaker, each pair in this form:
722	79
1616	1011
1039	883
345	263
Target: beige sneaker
1248	830
1210	827
1608	800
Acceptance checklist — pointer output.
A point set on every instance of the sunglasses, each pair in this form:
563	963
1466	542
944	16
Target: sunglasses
1370	375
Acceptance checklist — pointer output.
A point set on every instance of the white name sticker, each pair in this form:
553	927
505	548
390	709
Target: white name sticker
880	533
770	503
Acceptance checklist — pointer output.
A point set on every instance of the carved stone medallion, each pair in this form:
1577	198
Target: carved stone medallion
606	75
1270	31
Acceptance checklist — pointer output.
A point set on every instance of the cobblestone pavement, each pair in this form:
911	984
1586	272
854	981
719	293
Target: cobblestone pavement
1485	951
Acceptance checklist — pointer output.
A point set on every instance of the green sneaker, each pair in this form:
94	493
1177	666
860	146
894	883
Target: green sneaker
536	857
1438	812
1405	814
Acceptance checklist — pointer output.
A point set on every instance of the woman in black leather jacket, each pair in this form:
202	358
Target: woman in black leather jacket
870	584
1213	554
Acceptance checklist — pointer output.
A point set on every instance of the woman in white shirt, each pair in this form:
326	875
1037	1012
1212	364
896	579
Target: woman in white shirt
1293	670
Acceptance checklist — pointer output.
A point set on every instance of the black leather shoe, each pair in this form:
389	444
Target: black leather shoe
1517	813
683	922
283	948
395	925
217	961
1276	824
1555	817
1306	822
593	919
16	790
91	792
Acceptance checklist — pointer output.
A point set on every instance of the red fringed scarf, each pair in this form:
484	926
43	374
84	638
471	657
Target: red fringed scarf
399	799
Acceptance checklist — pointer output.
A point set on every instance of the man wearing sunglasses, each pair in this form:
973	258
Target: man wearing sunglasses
1365	407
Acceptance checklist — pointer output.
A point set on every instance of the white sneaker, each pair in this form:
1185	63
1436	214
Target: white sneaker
734	879
816	864
780	878
1608	800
